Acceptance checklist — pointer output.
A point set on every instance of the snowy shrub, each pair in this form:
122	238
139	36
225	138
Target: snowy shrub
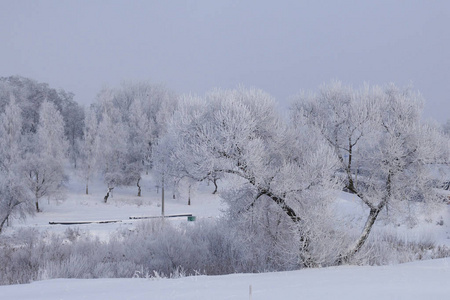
223	251
17	257
72	233
158	249
386	248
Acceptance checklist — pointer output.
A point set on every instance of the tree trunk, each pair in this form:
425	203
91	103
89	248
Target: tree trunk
2	224
139	188
373	215
173	189
215	185
87	189
304	251
305	256
36	193
107	194
189	196
362	238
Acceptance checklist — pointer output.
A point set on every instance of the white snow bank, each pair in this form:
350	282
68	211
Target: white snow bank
412	281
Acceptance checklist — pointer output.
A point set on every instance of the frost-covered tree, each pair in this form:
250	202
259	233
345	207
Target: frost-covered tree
238	133
44	164
15	199
89	146
30	95
146	110
383	147
140	141
111	150
73	116
142	109
10	129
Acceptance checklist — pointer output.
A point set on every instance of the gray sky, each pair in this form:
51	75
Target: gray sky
281	47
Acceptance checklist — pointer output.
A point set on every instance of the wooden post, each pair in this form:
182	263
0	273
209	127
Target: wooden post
189	195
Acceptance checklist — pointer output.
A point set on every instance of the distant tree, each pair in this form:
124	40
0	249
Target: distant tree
30	95
44	165
139	143
88	149
164	170
383	147
73	116
15	200
146	109
112	137
10	129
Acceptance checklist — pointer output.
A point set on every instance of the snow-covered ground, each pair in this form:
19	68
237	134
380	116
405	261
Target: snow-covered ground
122	205
412	281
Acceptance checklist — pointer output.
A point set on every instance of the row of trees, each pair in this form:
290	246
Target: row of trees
121	131
39	130
370	141
281	173
31	164
29	96
43	129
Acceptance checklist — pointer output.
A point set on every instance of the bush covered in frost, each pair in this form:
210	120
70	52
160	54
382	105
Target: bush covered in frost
158	249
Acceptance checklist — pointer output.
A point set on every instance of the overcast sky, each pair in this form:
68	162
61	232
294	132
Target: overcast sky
279	46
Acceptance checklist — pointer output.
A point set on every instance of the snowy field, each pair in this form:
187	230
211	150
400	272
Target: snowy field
419	280
120	207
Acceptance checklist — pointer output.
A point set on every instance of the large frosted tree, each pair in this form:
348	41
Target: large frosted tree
384	149
238	133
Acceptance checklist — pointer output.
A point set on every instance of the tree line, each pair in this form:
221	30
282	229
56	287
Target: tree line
282	173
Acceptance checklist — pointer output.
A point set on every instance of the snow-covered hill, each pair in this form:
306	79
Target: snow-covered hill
412	281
